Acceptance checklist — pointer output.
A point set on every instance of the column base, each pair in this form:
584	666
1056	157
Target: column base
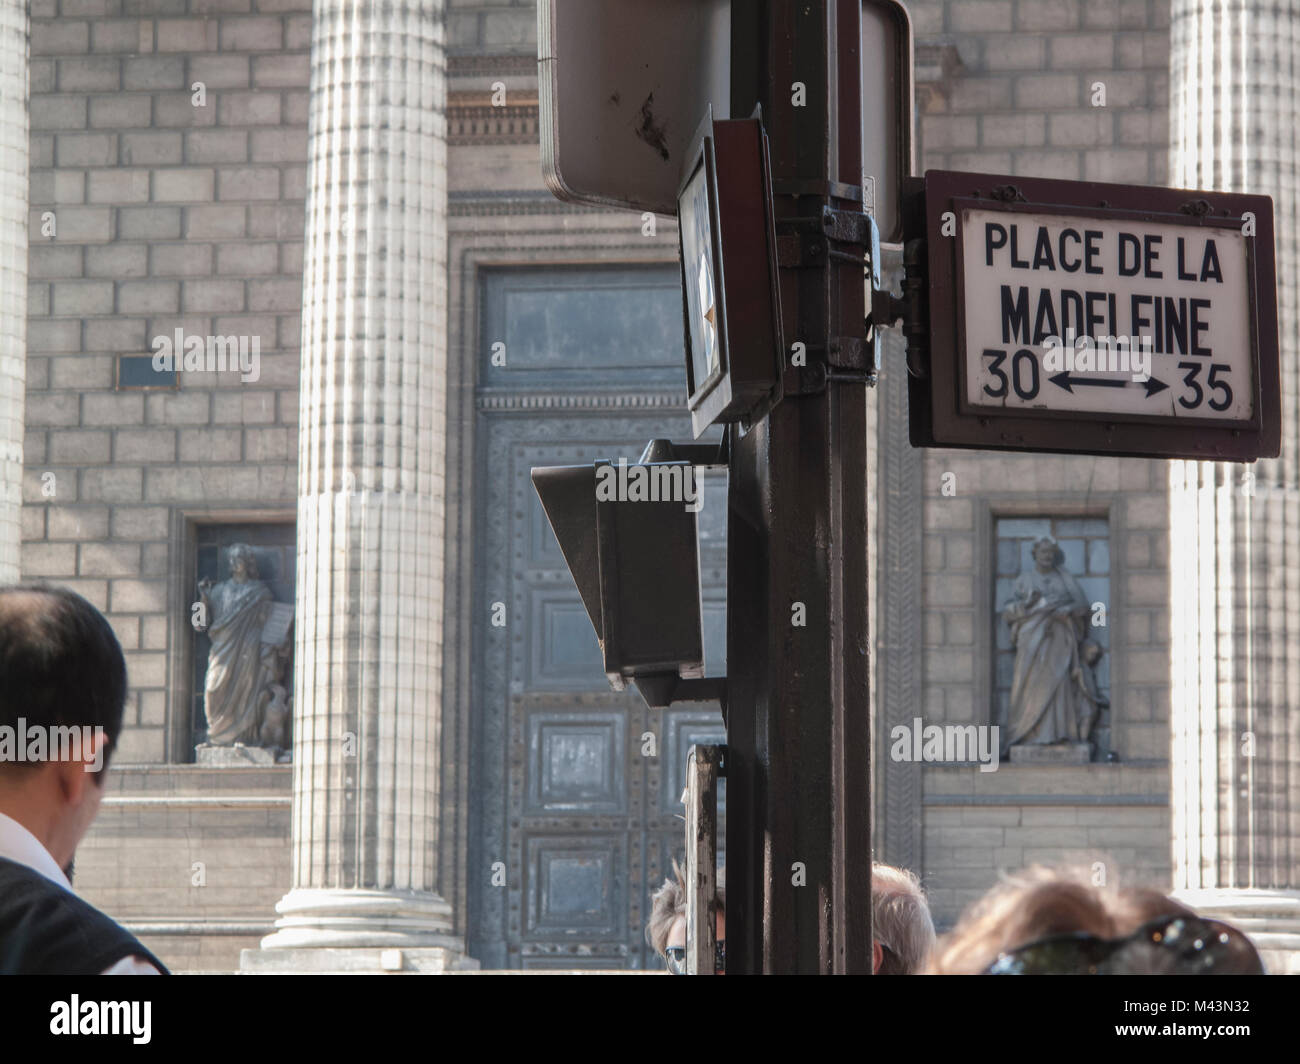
326	961
357	931
1270	917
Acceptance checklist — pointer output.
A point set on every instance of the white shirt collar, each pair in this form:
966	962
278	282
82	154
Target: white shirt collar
19	844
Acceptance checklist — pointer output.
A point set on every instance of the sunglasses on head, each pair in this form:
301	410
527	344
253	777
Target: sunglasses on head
676	958
1179	945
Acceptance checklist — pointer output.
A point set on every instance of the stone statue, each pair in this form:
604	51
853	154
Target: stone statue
1054	697
244	699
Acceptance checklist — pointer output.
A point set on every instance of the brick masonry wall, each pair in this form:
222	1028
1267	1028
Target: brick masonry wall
1113	826
191	859
482	26
1020	101
167	215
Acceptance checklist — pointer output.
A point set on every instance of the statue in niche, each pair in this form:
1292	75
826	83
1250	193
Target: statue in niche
1054	697
244	698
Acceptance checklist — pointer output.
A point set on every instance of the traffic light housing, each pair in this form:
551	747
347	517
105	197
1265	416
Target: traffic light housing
633	554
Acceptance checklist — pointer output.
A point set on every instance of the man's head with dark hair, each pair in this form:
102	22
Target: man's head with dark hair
62	676
60	662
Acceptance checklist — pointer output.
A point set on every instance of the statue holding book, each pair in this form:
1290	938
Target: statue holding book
244	699
1055	701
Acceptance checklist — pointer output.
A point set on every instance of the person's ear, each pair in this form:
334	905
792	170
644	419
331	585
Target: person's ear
86	770
877	955
73	779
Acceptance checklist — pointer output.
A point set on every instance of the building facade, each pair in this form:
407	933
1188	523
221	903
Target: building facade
358	195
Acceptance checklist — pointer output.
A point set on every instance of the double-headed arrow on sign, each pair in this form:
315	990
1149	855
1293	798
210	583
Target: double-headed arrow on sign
1066	381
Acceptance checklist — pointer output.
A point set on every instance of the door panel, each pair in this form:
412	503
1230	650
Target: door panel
575	788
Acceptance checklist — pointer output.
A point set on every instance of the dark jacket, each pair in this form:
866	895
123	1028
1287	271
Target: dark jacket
46	930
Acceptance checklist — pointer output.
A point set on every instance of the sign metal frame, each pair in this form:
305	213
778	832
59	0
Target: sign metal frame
887	32
621	87
940	413
731	157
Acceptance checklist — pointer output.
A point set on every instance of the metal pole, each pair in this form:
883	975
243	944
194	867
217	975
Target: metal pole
798	823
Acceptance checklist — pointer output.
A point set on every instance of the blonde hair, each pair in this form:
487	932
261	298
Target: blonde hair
668	903
1037	903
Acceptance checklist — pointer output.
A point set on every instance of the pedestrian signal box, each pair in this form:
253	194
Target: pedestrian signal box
628	535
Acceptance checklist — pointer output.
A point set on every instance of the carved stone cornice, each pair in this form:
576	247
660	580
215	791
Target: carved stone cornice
512	201
472	118
510	65
579	400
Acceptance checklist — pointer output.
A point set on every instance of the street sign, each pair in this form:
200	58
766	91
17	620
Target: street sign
728	261
888	99
623	85
1080	317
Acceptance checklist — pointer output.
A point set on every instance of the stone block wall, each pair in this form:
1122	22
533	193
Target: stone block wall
1016	87
168	160
168	157
1112	825
191	860
1022	101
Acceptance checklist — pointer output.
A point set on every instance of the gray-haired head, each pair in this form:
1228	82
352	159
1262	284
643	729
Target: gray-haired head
900	920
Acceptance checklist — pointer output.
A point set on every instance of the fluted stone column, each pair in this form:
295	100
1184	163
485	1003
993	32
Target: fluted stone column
1235	530
370	502
13	278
